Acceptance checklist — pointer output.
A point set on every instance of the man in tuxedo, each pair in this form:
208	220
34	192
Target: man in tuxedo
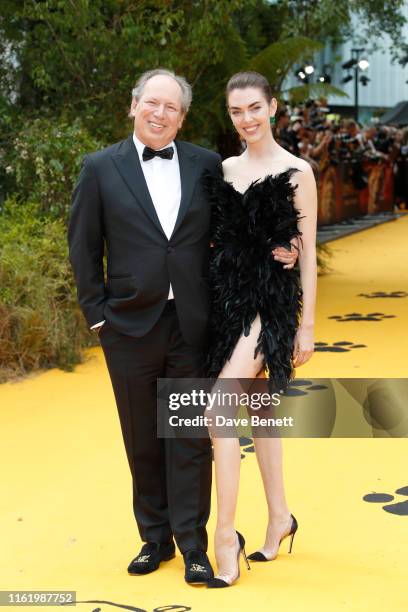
143	199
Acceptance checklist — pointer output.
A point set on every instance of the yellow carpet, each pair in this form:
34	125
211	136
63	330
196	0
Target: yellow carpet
66	520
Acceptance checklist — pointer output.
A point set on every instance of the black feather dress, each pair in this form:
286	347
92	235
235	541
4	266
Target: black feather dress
245	278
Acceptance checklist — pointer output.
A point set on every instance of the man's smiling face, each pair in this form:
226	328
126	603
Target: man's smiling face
158	112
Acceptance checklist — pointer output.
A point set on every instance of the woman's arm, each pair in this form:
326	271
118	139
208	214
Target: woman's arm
306	203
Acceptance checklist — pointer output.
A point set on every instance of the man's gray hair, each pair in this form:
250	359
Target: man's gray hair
186	90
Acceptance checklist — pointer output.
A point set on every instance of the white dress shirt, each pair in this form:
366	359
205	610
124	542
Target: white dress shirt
163	182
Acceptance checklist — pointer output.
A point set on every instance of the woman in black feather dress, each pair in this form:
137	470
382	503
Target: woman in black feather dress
263	311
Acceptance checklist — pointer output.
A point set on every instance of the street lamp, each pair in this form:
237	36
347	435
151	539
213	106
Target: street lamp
356	63
363	64
325	76
303	73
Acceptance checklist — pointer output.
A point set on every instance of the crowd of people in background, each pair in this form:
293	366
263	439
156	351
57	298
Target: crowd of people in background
311	132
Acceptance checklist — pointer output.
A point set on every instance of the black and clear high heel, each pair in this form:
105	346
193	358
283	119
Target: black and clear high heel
259	556
220	583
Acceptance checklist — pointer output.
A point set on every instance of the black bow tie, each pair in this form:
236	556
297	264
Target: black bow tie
149	153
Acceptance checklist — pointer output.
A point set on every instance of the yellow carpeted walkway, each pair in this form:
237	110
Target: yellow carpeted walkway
66	520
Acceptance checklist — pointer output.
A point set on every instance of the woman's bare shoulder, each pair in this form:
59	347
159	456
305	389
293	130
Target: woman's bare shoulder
288	160
231	162
231	167
305	169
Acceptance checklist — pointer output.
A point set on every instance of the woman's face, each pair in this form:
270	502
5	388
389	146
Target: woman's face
250	113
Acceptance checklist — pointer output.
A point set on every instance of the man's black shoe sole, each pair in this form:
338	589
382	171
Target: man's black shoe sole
198	581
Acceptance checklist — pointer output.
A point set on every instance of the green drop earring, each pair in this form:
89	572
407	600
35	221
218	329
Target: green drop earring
272	120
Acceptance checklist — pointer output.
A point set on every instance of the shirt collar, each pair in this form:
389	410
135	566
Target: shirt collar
140	146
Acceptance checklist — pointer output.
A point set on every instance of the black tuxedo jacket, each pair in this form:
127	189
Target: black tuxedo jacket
112	207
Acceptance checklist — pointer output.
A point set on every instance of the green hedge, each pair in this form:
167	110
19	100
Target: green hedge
40	322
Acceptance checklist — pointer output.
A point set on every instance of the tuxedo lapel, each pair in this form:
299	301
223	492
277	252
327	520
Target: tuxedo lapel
188	173
128	165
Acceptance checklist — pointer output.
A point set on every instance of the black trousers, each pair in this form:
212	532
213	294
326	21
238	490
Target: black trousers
171	477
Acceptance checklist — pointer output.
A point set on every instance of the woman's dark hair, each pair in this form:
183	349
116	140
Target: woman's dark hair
242	80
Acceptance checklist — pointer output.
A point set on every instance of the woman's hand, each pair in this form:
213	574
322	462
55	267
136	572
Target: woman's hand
304	345
286	256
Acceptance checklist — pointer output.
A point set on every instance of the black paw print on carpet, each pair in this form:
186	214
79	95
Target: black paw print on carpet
294	389
246	445
400	507
357	316
337	347
384	294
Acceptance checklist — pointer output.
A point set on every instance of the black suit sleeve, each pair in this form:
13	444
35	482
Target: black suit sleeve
86	243
214	164
219	170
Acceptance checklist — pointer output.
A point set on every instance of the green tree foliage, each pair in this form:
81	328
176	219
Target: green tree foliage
335	21
44	161
83	56
80	58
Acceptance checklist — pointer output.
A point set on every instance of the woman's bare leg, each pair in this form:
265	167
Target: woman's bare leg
269	456
227	459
